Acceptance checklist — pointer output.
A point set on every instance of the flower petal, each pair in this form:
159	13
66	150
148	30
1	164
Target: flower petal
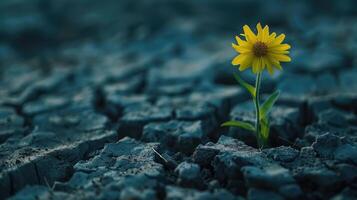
262	64
241	42
238	59
271	38
241	49
280	47
275	63
256	65
260	32
265	34
278	40
269	66
278	51
247	62
249	35
280	57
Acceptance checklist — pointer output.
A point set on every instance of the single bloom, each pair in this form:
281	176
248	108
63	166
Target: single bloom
260	51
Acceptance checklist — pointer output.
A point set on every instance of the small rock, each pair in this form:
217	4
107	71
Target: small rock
259	194
348	193
176	135
282	154
227	163
41	139
348	80
70	120
176	193
136	117
126	157
333	117
347	172
346	101
189	175
285	125
10	123
320	59
33	192
317	105
272	177
45	104
324	179
326	83
171	90
123	87
205	154
346	153
288	85
132	193
333	147
325	145
292	191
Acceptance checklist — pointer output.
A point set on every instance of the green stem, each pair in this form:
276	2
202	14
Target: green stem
257	108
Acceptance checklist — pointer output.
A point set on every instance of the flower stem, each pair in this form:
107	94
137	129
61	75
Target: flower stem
257	109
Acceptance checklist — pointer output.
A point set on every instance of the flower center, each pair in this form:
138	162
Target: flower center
260	49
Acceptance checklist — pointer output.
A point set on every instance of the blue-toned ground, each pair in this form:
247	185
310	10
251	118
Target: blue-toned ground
124	100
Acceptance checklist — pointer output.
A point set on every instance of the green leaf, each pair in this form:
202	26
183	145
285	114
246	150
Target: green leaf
264	128
268	104
246	85
240	124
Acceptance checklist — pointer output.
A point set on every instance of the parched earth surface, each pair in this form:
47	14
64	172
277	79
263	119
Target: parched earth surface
124	100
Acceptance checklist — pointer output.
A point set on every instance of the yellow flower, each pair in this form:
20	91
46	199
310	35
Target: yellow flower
260	51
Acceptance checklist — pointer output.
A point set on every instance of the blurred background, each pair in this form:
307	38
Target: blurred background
170	41
76	71
72	69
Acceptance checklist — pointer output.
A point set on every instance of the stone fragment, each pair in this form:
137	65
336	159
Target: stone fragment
288	85
115	103
320	59
46	104
179	71
186	110
285	123
131	86
126	157
176	193
292	191
333	147
282	154
189	175
233	156
176	135
272	177
205	154
34	160
348	81
310	171
326	83
70	120
348	172
347	193
32	193
11	124
333	117
259	194
136	117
